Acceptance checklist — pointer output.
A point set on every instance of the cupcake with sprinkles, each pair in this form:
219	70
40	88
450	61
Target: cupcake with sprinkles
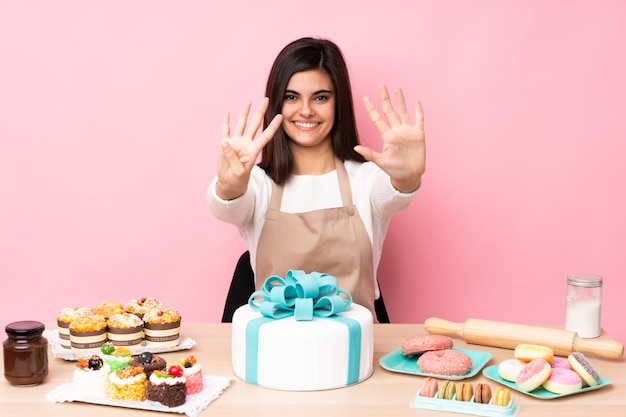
162	327
125	329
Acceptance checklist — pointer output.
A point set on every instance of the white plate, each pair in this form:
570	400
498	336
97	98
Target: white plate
58	351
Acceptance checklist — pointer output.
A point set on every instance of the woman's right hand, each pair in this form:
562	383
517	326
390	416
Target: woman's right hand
238	152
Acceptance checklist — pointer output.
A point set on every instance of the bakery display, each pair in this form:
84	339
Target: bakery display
167	387
91	378
445	362
302	332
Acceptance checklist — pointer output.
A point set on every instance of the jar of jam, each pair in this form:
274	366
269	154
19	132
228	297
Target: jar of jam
25	353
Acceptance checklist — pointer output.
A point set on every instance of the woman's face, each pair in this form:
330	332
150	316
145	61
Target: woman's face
309	108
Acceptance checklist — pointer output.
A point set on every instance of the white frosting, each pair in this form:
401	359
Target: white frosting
126	381
303	355
192	370
90	383
169	381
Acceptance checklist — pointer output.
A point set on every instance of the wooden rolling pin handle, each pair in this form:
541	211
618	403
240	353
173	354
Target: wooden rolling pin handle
606	348
439	326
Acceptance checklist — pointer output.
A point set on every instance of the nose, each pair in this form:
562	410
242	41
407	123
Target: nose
306	110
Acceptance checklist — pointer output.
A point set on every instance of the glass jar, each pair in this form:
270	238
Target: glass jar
25	353
584	305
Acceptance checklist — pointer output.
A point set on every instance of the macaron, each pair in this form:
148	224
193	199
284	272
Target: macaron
447	390
464	391
482	393
579	363
563	381
430	387
527	352
501	397
533	374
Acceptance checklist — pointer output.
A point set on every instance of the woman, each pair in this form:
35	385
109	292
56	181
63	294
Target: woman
317	201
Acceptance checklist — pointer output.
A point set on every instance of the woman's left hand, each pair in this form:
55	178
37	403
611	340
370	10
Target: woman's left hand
403	156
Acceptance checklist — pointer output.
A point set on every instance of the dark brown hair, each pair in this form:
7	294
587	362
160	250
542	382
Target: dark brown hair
303	55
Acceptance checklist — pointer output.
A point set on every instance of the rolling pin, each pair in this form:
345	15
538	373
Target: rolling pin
509	335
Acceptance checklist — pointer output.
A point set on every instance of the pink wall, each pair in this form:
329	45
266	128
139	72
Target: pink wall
109	124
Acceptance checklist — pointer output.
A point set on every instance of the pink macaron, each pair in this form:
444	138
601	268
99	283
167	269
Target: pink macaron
563	381
430	387
533	375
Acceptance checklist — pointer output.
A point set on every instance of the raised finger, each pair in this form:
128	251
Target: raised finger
375	116
243	118
257	119
387	106
419	115
226	126
403	112
269	131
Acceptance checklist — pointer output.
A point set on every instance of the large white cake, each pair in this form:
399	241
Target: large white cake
323	353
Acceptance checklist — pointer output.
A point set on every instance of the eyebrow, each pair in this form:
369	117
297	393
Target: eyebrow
314	93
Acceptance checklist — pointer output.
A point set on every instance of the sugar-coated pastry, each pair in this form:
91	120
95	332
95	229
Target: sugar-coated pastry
482	393
501	396
418	344
464	391
510	368
533	374
558	362
430	387
527	352
447	390
579	363
445	362
563	381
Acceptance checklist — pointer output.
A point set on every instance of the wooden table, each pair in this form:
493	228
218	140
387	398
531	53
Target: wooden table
384	394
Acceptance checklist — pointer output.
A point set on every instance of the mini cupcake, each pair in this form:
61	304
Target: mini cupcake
129	383
64	318
162	327
167	387
116	357
149	362
125	329
91	378
88	333
140	306
108	308
193	374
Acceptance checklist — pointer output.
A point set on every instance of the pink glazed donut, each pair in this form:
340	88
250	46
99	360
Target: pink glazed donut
563	381
445	362
418	344
533	374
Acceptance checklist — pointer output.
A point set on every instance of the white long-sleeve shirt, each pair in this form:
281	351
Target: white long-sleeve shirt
372	193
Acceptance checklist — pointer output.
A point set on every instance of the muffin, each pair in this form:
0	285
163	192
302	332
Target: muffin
129	383
125	329
140	306
108	308
162	327
88	333
149	362
64	318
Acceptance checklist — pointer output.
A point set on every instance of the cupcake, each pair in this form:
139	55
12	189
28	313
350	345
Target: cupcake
108	308
140	306
88	333
64	318
91	378
192	371
129	383
167	387
125	329
149	362
162	327
115	357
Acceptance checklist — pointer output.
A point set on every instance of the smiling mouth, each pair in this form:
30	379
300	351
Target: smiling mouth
306	125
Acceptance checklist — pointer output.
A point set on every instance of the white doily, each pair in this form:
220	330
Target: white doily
58	351
195	403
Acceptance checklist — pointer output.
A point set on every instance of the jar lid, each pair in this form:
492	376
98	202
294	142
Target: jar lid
584	280
24	328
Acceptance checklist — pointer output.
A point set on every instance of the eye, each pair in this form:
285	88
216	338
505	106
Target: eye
290	97
321	98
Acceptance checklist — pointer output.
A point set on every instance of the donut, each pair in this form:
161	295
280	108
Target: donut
579	363
445	362
510	368
464	391
430	387
560	363
482	394
563	381
501	397
533	374
527	352
447	390
418	344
